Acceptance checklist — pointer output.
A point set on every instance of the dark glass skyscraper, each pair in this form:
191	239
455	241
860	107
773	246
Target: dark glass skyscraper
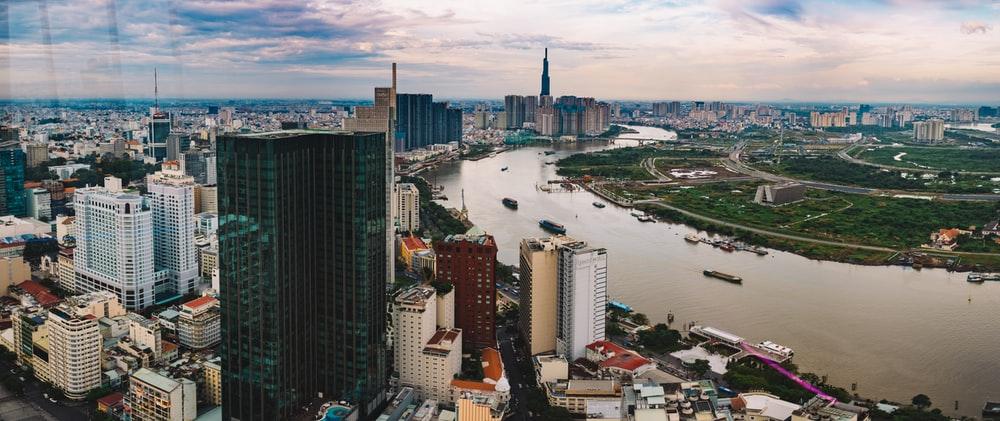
545	73
414	121
302	254
12	201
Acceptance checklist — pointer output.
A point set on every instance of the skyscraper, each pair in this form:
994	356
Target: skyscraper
114	246
538	269
302	261
545	74
415	120
12	200
513	108
468	261
171	196
581	298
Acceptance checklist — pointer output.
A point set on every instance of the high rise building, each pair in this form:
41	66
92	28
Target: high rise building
303	243
114	246
468	261
171	198
454	130
159	130
75	341
198	323
427	356
439	122
174	145
39	204
530	108
406	203
581	298
514	110
545	74
415	121
155	397
195	165
12	160
929	130
538	269
37	153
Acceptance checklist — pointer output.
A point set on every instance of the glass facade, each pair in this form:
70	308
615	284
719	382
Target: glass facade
302	254
12	201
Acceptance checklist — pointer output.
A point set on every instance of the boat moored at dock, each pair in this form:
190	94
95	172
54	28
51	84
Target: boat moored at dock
692	238
723	276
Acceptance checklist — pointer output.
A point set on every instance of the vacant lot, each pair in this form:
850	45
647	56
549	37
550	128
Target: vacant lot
942	159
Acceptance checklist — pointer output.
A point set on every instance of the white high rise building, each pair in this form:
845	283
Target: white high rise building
581	298
152	396
75	341
427	358
39	204
406	206
114	253
171	197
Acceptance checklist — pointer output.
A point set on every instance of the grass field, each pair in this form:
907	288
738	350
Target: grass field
942	159
621	163
879	221
835	170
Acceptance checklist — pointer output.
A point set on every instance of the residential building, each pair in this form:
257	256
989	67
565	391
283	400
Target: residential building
406	203
155	397
427	358
550	368
586	397
75	350
468	261
39	204
581	298
146	334
67	273
539	260
929	130
514	111
114	246
37	154
13	271
198	323
211	390
171	199
322	246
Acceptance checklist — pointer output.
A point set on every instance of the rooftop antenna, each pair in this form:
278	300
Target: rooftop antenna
156	92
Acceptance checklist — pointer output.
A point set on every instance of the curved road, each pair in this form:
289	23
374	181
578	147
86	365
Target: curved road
735	164
845	154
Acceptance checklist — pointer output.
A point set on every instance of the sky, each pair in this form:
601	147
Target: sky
915	51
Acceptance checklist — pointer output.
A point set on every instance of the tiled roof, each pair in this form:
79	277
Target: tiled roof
473	385
492	364
200	301
414	243
42	294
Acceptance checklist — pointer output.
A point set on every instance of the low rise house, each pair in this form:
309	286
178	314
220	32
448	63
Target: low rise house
617	361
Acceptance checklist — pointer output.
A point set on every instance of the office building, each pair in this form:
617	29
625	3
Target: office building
581	298
37	154
171	199
175	145
545	74
196	166
414	121
39	204
427	356
114	246
12	161
159	130
67	274
307	258
113	184
406	203
930	130
75	350
198	323
468	261
538	270
155	397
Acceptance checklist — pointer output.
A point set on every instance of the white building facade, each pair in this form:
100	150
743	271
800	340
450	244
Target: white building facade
171	197
406	206
581	298
114	250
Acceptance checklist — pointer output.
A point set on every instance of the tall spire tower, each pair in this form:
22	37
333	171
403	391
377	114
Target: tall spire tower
545	73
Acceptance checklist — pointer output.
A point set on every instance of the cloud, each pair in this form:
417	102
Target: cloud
972	27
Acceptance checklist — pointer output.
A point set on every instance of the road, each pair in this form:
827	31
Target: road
518	381
845	154
34	406
734	163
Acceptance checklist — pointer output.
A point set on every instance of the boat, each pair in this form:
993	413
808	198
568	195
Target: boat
620	305
974	277
727	247
504	169
550	152
598	205
645	218
552	226
758	251
510	203
692	238
549	162
636	213
723	276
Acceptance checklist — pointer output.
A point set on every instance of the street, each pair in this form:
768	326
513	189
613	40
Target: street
518	380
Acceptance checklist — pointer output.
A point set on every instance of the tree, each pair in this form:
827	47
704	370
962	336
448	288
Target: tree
661	339
921	401
641	319
700	367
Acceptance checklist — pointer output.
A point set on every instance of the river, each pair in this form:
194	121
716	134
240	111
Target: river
894	331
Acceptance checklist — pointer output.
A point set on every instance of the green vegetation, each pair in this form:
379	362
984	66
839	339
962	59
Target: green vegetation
751	375
472	366
123	168
442	287
622	163
834	170
880	221
699	368
661	339
477	150
435	220
616	130
942	159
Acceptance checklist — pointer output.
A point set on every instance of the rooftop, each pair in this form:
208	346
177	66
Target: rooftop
205	300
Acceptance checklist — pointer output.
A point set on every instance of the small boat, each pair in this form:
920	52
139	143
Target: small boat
620	305
510	203
552	226
598	205
974	277
504	169
549	162
550	152
727	247
646	218
692	238
636	213
723	276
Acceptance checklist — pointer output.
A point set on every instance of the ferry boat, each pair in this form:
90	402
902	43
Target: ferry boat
598	205
510	203
552	226
504	169
620	305
723	276
692	238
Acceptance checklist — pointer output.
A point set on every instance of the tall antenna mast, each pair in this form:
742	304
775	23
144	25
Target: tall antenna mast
156	92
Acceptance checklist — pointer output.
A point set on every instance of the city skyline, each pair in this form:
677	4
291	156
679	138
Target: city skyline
766	50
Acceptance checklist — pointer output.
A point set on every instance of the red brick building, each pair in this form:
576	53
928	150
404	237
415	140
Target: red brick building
469	262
